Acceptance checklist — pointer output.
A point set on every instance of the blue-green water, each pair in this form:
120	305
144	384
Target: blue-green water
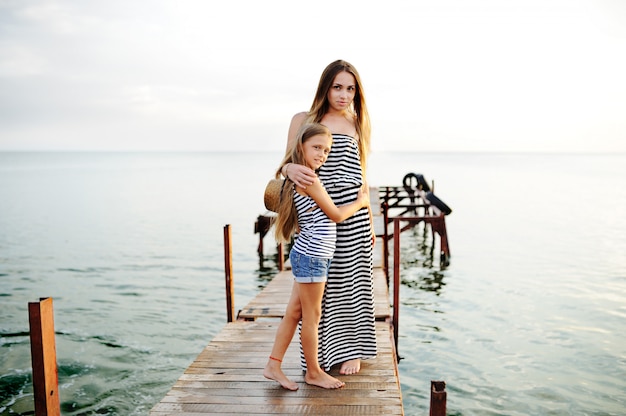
528	319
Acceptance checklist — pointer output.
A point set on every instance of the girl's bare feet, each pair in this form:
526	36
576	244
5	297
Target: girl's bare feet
273	371
323	380
350	367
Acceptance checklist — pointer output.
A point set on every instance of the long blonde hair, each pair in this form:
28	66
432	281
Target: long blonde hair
287	219
358	108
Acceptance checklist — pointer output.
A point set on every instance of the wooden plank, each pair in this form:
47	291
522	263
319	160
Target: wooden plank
196	409
233	364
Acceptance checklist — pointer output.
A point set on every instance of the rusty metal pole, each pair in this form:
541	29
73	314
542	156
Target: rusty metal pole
44	358
228	266
385	208
438	398
396	280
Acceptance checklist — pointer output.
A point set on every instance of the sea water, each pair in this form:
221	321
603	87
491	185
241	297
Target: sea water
528	318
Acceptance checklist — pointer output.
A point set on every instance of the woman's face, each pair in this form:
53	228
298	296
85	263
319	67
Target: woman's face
342	91
316	150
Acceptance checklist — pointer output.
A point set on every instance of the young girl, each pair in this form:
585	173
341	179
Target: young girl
313	214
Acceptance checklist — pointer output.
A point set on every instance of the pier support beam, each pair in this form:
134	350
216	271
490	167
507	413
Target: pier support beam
438	398
44	358
228	267
262	226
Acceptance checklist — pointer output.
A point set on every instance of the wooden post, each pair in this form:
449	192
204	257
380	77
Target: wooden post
228	266
258	228
281	256
396	280
44	358
438	398
262	226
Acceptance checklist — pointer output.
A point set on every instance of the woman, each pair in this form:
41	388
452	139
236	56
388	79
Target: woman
346	331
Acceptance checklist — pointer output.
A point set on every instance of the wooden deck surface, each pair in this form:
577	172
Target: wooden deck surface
227	376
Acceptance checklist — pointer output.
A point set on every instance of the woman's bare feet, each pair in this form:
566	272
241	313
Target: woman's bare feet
274	372
350	367
323	380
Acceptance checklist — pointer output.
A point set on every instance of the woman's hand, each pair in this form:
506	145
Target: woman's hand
301	175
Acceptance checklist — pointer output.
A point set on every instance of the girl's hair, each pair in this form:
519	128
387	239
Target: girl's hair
287	219
358	108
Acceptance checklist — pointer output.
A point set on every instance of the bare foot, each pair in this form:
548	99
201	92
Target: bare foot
350	367
275	373
323	380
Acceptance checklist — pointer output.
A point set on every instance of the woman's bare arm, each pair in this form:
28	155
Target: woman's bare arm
301	175
334	212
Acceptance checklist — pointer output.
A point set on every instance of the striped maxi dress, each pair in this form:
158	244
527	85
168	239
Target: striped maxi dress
347	329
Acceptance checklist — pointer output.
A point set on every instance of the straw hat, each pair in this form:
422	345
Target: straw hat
272	194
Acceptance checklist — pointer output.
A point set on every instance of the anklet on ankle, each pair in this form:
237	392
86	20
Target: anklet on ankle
275	359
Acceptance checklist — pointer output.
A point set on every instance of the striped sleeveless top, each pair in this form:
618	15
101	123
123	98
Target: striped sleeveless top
317	234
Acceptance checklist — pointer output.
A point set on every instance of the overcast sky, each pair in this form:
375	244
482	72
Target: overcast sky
520	75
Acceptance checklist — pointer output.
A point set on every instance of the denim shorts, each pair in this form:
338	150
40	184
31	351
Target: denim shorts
307	269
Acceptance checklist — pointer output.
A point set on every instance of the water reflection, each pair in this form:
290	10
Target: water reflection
269	263
418	268
430	282
268	268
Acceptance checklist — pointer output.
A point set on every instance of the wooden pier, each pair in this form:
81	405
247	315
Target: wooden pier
227	376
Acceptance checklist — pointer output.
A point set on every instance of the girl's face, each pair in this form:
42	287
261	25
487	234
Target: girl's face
316	150
342	91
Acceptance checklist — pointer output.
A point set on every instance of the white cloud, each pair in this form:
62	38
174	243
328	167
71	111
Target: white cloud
19	61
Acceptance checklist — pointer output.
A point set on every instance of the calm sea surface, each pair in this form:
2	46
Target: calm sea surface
528	319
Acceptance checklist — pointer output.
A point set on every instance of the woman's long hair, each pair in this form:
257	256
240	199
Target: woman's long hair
287	219
321	105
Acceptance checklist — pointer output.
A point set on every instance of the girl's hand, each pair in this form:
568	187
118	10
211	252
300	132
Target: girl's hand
301	175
